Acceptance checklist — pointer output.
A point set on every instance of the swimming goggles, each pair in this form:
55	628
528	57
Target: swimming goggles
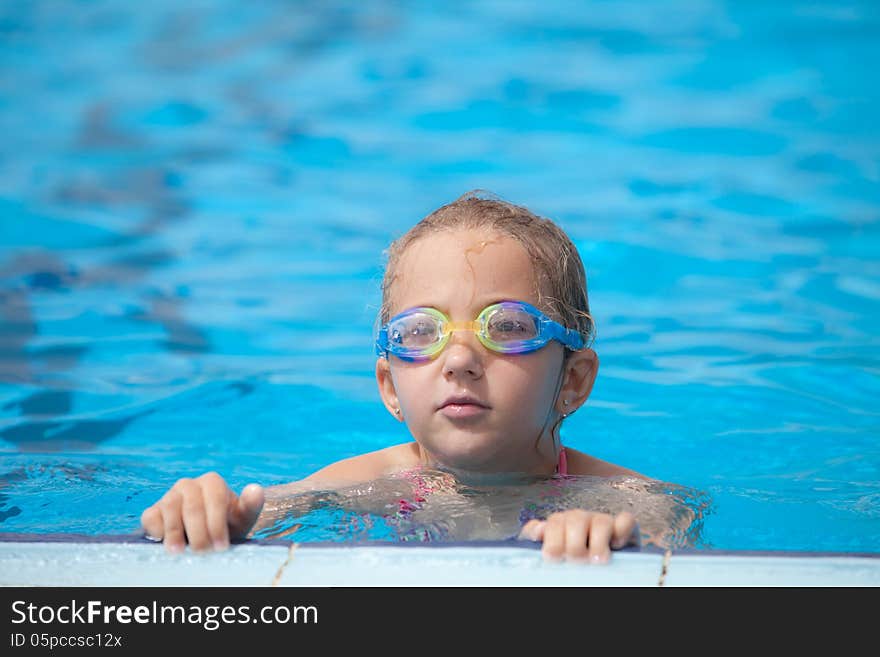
506	327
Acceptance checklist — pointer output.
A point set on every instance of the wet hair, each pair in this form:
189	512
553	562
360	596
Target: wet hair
559	271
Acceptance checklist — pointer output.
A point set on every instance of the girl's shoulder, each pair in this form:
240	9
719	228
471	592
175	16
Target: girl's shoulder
580	463
368	466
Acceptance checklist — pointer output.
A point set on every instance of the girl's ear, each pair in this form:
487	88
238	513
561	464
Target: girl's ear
578	378
386	388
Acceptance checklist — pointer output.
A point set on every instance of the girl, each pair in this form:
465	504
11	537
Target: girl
483	351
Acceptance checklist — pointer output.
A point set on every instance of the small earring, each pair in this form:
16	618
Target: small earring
397	411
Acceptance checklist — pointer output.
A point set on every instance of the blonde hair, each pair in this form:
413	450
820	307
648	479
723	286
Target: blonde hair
559	271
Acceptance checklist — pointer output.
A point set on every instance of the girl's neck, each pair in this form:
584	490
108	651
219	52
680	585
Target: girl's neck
544	463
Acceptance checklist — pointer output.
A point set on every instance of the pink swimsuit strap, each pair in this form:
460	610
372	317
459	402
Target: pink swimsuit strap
562	466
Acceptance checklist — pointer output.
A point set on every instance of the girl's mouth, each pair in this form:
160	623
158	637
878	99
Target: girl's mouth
463	406
462	410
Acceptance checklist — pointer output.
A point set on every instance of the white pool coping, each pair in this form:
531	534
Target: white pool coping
96	562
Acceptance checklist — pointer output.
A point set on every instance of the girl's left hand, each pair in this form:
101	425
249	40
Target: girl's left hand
580	535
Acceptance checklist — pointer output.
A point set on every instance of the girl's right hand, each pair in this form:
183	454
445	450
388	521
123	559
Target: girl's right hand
204	512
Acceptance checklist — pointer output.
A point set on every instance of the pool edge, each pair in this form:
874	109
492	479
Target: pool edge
132	560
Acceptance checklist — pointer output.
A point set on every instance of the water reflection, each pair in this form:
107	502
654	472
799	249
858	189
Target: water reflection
41	362
432	505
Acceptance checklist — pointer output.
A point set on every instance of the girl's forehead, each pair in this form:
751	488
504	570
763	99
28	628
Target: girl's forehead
465	242
475	264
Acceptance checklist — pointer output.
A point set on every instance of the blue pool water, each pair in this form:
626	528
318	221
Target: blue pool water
194	200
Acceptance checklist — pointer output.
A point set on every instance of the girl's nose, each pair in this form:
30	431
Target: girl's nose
462	356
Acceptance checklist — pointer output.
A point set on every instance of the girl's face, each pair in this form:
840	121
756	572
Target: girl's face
471	408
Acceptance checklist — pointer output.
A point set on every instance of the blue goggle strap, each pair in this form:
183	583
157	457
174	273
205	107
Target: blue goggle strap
382	342
568	337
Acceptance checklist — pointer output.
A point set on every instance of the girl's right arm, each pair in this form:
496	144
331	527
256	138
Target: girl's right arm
206	513
203	512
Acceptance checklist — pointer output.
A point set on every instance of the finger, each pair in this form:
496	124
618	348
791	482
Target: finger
601	528
577	528
151	522
217	497
172	520
533	530
246	510
194	518
626	531
554	537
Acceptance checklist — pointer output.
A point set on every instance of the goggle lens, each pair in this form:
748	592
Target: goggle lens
415	331
507	324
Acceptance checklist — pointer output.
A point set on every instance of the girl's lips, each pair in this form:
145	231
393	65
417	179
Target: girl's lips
462	410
